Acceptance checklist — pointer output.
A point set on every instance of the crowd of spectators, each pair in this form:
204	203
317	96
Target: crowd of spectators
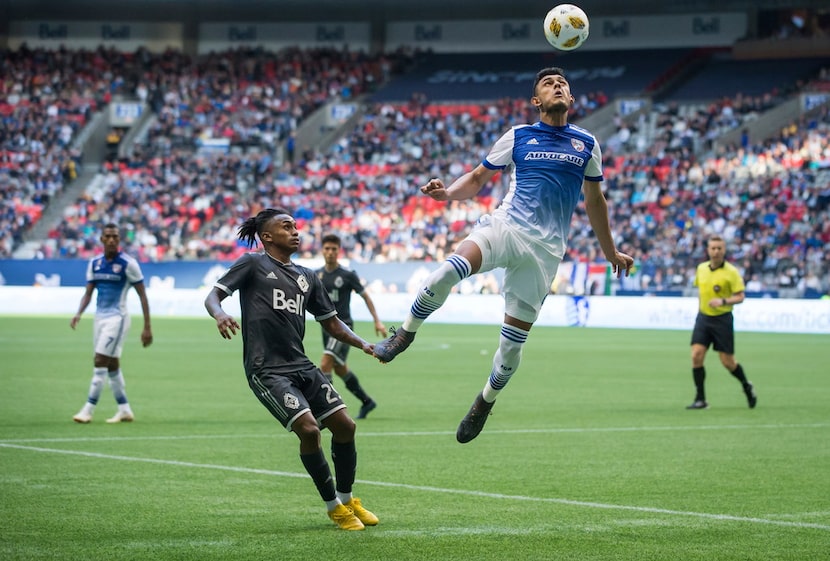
178	202
46	97
770	200
247	97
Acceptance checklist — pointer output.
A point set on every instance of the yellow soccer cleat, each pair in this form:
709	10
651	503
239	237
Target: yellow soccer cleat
345	518
368	518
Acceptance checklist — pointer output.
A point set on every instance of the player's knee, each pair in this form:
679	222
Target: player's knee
326	364
445	277
306	429
341	425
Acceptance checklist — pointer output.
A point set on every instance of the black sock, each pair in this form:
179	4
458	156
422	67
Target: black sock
739	374
353	385
344	457
699	375
318	468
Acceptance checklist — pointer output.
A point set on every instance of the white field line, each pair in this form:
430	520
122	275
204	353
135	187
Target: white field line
552	430
430	489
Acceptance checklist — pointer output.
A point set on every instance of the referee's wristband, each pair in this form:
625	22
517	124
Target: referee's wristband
723	301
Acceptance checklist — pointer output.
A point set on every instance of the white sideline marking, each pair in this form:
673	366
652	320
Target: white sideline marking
587	504
430	433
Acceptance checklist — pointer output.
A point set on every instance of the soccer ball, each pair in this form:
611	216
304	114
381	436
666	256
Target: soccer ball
566	27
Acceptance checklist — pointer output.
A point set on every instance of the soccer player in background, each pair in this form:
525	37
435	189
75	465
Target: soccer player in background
720	289
112	273
552	164
339	283
274	295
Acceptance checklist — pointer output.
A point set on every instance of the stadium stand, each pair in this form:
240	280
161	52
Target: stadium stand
210	156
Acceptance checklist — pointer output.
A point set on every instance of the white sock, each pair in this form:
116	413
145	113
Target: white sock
344	497
332	504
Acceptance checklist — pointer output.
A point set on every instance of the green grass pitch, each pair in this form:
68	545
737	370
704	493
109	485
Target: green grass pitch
589	453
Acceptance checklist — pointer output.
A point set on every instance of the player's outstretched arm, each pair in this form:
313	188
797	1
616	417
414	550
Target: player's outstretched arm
340	331
465	187
380	328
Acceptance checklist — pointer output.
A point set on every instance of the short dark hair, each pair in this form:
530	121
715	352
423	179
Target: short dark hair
110	225
549	71
331	238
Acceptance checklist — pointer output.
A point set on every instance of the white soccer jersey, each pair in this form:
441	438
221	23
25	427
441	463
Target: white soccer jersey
547	166
113	280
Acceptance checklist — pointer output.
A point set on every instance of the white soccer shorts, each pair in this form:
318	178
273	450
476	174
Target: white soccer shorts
529	267
110	332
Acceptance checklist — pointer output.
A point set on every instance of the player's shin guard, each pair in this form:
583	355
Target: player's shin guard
436	289
117	385
506	360
318	468
99	376
344	457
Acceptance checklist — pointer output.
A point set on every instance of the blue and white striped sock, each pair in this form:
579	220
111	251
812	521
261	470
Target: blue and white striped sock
505	361
99	377
436	289
117	384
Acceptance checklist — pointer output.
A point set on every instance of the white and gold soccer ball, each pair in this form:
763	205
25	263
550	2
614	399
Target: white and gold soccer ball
566	27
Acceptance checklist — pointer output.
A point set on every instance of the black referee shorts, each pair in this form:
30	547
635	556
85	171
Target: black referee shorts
717	331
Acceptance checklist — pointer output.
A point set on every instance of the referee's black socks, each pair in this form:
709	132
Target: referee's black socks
699	375
739	374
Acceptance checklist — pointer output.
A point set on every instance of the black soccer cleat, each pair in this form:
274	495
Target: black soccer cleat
366	408
474	420
751	397
392	346
698	404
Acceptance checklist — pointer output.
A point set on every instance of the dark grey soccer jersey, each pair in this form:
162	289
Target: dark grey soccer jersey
274	298
339	285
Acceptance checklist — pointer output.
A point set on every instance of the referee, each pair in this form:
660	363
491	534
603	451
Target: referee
721	287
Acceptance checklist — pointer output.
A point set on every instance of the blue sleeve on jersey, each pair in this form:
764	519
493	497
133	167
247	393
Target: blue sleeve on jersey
488	165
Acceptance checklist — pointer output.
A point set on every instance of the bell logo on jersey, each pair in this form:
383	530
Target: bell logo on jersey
294	306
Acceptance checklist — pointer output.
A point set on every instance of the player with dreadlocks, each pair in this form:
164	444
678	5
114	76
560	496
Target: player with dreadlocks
274	295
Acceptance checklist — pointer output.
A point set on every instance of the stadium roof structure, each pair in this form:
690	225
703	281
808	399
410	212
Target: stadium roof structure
196	11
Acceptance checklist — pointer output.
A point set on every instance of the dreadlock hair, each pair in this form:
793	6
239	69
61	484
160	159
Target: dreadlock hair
255	224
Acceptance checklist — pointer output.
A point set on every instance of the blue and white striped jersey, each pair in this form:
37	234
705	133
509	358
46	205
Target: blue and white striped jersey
113	279
547	166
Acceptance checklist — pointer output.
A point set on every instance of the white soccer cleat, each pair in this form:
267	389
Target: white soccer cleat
121	417
82	417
